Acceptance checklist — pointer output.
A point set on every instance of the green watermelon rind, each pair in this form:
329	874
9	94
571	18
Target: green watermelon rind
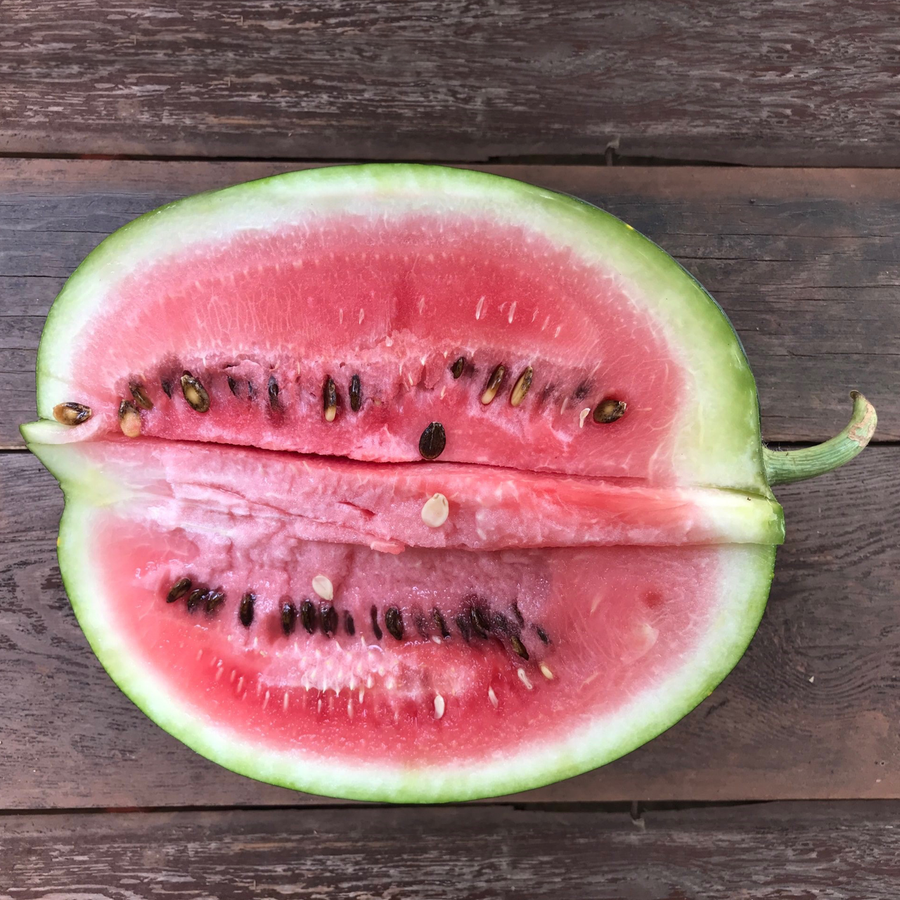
744	596
718	442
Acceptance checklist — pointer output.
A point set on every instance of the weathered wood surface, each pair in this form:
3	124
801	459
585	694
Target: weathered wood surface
780	851
806	263
810	712
781	82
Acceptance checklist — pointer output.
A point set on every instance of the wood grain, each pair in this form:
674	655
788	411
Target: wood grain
778	82
810	711
838	851
805	262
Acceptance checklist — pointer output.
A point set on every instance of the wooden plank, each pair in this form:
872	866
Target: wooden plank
806	263
735	81
810	712
842	851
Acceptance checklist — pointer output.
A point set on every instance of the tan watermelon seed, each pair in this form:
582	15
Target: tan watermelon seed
523	383
194	393
329	399
129	419
609	410
493	384
140	395
71	413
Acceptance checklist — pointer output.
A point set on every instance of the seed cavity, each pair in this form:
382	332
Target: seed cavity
71	413
194	393
441	623
214	599
421	624
179	589
439	706
493	385
140	395
393	621
232	385
355	393
520	389
308	616
433	441
464	624
129	419
458	367
435	511
273	392
609	410
251	391
329	620
288	617
322	585
245	610
375	626
167	387
349	624
542	634
195	597
329	399
582	391
517	612
518	646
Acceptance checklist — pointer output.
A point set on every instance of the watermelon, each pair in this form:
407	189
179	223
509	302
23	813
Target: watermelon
407	483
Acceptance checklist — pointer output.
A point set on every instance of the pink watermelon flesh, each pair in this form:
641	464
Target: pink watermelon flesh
583	593
371	299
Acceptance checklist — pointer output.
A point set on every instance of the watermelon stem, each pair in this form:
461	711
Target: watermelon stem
786	466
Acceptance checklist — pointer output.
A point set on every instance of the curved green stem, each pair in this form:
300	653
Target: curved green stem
785	466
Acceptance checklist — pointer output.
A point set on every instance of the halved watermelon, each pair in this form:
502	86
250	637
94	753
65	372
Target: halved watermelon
405	482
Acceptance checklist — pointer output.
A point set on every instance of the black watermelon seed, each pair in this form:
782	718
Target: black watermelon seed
245	611
195	597
393	621
517	613
349	624
232	385
167	388
140	395
179	589
308	615
432	441
458	367
329	620
438	620
609	410
375	626
214	599
480	624
355	393
421	624
518	646
464	624
288	617
273	392
542	634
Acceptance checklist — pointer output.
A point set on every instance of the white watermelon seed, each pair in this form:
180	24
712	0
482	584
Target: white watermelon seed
524	679
545	671
493	698
435	511
322	585
582	416
438	706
